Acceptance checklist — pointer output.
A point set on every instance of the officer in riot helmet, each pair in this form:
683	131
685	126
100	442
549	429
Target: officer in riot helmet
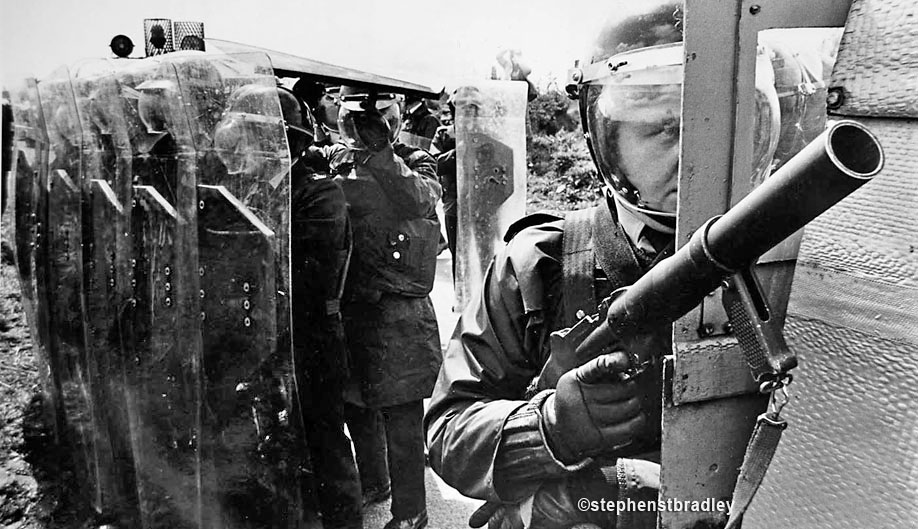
319	251
391	329
500	425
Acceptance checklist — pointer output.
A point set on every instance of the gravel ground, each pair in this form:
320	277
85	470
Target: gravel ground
36	485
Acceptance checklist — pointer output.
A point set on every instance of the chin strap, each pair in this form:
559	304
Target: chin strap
643	215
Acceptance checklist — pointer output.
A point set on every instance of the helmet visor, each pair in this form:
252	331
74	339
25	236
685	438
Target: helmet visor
632	105
352	136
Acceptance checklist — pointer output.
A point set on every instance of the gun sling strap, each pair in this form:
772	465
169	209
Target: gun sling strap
616	257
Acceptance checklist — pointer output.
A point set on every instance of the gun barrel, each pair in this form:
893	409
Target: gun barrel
841	159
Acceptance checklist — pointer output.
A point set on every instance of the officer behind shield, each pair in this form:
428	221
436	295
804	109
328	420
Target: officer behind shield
320	249
594	434
391	329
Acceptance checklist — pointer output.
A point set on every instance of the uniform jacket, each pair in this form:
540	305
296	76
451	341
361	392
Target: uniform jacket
319	247
391	203
499	346
390	324
446	170
419	127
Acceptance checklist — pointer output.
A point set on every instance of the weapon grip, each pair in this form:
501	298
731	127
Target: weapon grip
566	353
759	333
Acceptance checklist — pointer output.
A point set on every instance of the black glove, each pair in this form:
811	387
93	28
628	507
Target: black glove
593	410
372	129
557	504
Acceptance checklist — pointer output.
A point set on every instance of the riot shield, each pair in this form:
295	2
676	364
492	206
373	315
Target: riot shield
106	162
30	219
66	297
254	439
491	174
163	377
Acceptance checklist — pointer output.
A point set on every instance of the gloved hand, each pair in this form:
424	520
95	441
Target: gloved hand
497	516
553	506
594	410
372	129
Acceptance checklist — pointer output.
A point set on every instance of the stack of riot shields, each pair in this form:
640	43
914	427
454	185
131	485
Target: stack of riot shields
152	241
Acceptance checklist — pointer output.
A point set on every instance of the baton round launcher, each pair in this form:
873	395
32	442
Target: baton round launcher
840	160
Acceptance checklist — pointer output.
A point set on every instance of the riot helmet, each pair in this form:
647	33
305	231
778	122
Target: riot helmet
251	131
153	104
299	124
359	105
801	95
630	98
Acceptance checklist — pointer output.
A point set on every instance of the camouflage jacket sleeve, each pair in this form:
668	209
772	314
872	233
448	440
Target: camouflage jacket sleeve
484	437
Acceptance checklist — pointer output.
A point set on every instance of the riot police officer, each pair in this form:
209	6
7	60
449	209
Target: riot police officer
495	429
320	249
391	329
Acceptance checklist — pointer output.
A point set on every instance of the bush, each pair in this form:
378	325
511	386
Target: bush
562	176
553	112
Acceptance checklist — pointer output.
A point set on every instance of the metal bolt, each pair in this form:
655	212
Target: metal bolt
706	329
246	305
203	316
396	255
168	302
728	328
167	271
576	76
201	205
835	98
168	287
133	303
202	293
201	271
755	9
247	322
133	263
401	237
246	287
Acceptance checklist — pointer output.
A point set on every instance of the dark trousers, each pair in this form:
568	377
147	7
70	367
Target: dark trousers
389	444
334	467
337	484
451	220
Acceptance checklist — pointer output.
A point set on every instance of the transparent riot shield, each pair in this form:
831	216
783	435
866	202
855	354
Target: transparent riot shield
163	383
66	297
30	235
106	163
491	174
254	439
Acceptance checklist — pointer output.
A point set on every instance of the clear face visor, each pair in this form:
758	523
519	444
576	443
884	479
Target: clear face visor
153	104
638	94
348	130
243	140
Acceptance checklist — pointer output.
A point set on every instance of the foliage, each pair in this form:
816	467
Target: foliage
562	176
552	112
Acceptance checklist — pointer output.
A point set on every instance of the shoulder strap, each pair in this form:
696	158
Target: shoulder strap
577	265
614	252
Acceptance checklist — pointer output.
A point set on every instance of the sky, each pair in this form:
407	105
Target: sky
432	42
